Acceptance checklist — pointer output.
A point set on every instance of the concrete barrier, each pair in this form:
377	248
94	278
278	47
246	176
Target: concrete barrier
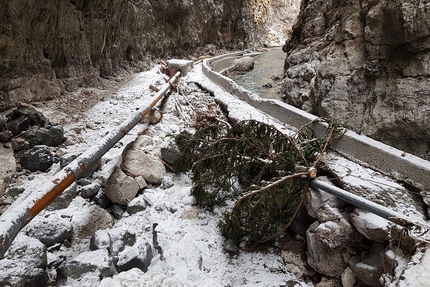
358	148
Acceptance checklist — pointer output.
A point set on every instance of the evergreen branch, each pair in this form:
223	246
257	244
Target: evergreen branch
270	186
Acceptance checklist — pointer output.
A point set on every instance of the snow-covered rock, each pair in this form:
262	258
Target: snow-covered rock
88	190
137	256
317	198
324	259
136	205
121	188
98	262
100	240
24	263
120	238
138	163
370	225
50	230
137	278
87	218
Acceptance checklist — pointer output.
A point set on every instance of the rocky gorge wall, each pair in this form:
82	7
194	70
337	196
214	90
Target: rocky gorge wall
48	47
367	64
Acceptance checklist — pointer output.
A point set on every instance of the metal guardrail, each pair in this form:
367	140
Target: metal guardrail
361	149
19	215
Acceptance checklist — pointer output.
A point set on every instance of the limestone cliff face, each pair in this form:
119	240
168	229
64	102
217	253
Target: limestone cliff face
49	46
366	63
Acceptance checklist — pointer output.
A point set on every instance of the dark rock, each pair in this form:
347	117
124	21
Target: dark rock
14	191
101	199
170	153
42	136
136	205
35	117
49	230
117	211
370	269
83	181
18	125
24	263
136	256
230	246
38	158
6	136
89	190
268	86
100	240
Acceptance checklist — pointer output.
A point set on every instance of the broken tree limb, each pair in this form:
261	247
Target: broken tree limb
25	209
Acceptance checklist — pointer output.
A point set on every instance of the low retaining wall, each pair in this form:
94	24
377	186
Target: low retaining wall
361	149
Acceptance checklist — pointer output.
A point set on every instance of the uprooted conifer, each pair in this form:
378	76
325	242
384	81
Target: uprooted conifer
257	171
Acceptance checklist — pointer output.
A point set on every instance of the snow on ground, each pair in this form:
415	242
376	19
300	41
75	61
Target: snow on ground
192	247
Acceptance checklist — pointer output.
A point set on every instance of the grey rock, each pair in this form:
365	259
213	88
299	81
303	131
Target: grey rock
243	64
370	225
230	246
24	264
136	256
39	158
89	219
89	190
98	262
121	188
324	259
100	240
170	152
50	230
137	163
370	269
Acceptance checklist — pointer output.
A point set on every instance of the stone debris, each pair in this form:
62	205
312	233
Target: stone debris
121	188
39	158
50	230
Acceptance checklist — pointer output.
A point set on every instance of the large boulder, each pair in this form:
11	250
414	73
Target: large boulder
136	162
121	188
